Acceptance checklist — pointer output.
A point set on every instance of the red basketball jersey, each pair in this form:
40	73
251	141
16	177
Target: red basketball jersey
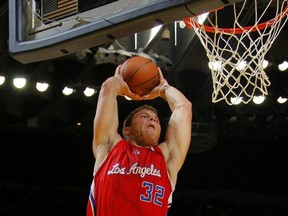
131	181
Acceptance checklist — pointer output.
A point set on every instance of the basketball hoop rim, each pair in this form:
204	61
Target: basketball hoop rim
252	28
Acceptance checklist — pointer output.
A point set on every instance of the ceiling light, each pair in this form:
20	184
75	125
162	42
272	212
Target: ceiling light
42	86
88	92
281	100
283	66
19	82
2	80
241	65
258	99
265	64
67	91
236	100
215	65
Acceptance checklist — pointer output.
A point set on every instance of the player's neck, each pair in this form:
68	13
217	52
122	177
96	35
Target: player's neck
139	144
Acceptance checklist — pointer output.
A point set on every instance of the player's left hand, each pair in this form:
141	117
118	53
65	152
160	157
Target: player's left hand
156	91
124	90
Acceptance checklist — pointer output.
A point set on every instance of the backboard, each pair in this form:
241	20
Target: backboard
36	35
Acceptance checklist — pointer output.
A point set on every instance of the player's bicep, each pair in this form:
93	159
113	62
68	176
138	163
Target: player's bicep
178	135
105	126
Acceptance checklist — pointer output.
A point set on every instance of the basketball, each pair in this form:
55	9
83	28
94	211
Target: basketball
141	74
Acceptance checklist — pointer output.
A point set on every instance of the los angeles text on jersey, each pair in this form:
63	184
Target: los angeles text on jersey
135	169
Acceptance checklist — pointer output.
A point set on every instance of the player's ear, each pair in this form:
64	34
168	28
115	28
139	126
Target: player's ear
126	132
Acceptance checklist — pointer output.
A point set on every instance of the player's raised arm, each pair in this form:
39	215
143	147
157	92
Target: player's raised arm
106	117
179	129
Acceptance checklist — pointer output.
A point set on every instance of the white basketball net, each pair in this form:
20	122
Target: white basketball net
237	54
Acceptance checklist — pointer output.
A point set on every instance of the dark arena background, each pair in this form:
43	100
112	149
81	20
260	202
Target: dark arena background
237	162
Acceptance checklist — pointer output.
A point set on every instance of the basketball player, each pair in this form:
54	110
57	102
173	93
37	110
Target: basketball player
136	175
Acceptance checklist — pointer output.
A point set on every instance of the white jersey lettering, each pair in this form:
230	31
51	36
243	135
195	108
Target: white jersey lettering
135	170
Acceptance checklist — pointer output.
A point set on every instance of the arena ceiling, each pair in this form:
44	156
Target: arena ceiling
180	55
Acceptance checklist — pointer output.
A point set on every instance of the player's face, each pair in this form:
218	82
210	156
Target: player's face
145	127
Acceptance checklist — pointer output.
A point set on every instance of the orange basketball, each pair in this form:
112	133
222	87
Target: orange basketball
141	74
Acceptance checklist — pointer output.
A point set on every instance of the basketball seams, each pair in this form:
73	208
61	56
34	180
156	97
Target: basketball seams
144	83
140	67
125	66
